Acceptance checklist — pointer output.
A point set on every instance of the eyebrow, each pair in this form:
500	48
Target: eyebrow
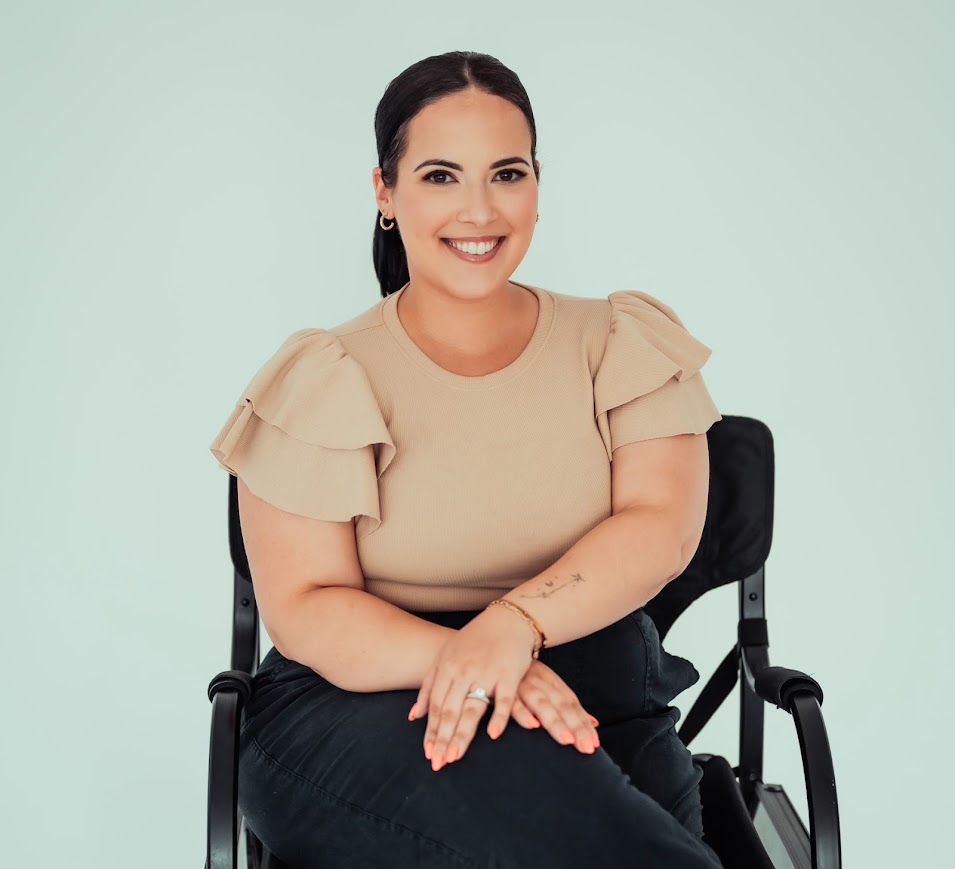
495	165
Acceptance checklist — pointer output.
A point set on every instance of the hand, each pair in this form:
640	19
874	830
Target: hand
492	651
543	695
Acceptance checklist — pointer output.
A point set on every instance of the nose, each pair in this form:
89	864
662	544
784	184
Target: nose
478	208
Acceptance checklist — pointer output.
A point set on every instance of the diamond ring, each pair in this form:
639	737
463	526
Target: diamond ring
478	694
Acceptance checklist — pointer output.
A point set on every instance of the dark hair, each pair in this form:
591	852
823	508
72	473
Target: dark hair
418	86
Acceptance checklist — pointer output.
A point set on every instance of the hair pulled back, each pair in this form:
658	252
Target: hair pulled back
418	86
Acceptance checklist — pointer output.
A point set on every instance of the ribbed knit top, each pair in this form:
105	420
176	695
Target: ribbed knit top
464	487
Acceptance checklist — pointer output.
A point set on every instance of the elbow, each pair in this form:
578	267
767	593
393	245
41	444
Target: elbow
686	553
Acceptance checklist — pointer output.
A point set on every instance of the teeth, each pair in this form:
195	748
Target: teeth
474	246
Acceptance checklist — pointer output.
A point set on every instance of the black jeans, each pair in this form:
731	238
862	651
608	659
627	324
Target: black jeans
336	778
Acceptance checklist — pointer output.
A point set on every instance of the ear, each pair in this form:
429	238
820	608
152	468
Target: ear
382	196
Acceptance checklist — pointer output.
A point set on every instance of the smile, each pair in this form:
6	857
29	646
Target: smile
487	254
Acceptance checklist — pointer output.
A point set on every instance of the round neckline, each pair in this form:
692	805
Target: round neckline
545	317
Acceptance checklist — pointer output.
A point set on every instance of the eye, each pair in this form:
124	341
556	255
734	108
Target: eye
519	173
431	175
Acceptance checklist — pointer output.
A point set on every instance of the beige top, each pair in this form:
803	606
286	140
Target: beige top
464	487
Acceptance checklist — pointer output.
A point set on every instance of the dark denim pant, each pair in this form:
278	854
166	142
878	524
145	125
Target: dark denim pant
336	778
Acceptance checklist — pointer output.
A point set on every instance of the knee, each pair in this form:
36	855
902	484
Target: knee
534	802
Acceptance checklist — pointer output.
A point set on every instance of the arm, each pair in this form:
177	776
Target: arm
658	508
360	642
309	589
659	494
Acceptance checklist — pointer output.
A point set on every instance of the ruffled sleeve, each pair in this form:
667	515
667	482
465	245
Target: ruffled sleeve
307	434
648	383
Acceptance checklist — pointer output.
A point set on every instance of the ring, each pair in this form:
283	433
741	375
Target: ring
478	694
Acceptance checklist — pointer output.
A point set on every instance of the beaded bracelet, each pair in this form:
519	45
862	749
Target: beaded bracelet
527	617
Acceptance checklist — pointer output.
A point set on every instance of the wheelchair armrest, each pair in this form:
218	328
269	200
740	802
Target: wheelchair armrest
801	696
228	692
776	685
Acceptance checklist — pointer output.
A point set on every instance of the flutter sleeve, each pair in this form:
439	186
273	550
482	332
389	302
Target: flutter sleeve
648	384
307	434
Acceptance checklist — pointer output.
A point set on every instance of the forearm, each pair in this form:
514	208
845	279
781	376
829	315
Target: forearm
360	642
614	569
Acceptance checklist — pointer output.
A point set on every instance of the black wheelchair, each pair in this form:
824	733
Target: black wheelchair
750	824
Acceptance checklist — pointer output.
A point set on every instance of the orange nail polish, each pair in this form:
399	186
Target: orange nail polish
428	748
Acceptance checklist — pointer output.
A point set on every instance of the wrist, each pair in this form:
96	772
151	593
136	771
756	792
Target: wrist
519	613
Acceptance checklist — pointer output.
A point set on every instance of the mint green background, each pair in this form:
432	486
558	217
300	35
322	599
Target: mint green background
186	183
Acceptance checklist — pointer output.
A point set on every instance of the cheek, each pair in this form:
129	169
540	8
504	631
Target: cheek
422	214
523	210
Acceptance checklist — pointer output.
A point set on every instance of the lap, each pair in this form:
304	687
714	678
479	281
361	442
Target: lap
332	777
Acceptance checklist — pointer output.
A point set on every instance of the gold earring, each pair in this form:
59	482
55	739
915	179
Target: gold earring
381	222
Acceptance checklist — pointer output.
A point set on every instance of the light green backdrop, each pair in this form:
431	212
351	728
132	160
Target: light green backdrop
186	183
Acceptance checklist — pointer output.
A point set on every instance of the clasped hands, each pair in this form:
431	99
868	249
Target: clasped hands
493	652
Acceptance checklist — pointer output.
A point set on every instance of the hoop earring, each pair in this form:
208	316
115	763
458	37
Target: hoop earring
381	222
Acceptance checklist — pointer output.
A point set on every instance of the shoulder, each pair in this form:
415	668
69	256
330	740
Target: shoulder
307	433
648	383
582	322
313	348
631	326
645	327
601	312
370	318
313	339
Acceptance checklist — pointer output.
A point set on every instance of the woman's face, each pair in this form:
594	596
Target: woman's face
433	202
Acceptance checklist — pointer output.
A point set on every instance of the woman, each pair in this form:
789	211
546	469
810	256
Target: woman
455	506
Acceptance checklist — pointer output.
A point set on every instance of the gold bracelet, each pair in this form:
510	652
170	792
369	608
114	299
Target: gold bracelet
527	617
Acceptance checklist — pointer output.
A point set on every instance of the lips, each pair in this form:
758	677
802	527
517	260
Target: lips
473	257
497	238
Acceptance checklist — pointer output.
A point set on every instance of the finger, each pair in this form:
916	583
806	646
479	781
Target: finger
424	696
504	696
577	723
471	714
548	697
444	719
540	705
563	718
523	716
439	690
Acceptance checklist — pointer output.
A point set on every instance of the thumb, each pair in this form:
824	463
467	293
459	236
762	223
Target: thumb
420	707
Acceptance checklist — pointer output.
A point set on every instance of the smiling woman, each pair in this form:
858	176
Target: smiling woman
451	447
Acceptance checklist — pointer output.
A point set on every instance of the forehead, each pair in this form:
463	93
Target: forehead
466	123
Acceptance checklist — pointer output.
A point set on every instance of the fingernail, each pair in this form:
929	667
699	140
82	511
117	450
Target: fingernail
437	762
494	731
566	737
411	714
535	722
452	754
594	720
428	748
596	740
